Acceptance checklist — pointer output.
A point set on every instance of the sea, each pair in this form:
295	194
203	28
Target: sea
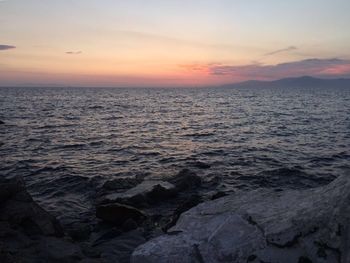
66	142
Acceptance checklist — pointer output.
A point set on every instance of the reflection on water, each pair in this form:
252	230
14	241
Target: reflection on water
66	140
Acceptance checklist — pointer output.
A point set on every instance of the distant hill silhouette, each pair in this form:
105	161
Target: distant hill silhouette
299	82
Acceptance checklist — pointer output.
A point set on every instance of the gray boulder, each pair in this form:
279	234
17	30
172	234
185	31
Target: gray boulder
260	226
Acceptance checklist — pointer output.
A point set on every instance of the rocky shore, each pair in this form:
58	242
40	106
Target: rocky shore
145	220
128	212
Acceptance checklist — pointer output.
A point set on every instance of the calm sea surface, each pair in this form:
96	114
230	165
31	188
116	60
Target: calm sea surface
65	141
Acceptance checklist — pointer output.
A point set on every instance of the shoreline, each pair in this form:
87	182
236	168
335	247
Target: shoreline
134	215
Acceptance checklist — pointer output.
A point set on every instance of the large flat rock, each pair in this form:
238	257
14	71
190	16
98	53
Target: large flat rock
260	226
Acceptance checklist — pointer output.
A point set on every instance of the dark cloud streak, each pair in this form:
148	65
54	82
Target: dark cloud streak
290	48
6	47
74	52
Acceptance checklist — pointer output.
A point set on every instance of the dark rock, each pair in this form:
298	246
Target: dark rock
89	251
28	233
129	224
160	192
59	250
118	214
147	192
19	210
6	230
183	207
79	231
304	260
91	260
120	248
10	188
6	256
104	236
186	179
218	195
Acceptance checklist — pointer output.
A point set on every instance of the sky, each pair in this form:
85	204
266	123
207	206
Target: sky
170	42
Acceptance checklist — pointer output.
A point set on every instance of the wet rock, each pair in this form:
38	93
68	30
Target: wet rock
260	226
19	210
120	248
59	250
147	192
129	224
10	187
28	233
79	231
105	235
6	256
186	179
118	214
91	260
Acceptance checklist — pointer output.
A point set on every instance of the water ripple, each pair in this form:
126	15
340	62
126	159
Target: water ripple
65	141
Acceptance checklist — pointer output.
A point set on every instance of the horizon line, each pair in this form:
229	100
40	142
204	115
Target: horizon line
170	87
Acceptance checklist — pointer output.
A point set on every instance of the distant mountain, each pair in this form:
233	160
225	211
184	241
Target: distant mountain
299	82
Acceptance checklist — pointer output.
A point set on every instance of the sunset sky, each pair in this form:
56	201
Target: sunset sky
170	42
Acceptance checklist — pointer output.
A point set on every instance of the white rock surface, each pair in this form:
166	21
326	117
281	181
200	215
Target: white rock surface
260	226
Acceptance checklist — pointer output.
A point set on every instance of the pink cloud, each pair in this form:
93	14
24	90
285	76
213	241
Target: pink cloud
313	67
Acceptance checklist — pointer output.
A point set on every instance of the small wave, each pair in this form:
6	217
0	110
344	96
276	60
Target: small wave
214	152
341	155
110	118
150	153
120	162
96	143
322	159
49	169
199	134
72	146
96	107
56	126
199	164
167	160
